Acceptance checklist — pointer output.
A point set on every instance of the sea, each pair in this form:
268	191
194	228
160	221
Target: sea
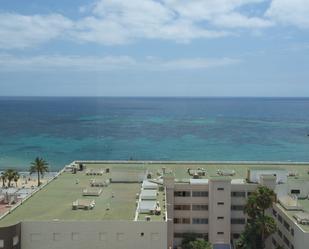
63	129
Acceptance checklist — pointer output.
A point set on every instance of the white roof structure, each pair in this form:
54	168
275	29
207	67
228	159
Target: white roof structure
238	181
149	185
280	174
302	218
147	206
289	203
198	181
147	194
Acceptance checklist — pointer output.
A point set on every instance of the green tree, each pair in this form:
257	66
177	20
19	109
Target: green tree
190	241
16	178
10	173
3	178
260	225
197	244
39	166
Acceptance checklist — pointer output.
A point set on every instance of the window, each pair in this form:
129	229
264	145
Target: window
199	221
198	235
182	207
220	189
181	220
279	233
202	235
295	191
292	231
286	225
220	203
274	242
238	194
220	233
274	213
280	218
286	241
200	193
238	207
56	236
238	221
220	218
182	193
1	243
236	235
199	207
177	220
15	240
249	193
142	234
178	235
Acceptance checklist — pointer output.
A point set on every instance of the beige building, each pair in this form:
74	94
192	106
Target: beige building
155	204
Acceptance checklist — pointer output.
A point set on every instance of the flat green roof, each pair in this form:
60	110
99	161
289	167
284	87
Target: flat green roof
304	203
54	201
179	169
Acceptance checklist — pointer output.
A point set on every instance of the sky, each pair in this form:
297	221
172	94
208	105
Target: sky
154	48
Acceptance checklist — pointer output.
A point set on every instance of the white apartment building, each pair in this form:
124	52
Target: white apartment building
177	198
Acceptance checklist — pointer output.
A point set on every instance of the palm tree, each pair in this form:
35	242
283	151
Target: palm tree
264	198
10	173
3	178
260	226
16	178
40	166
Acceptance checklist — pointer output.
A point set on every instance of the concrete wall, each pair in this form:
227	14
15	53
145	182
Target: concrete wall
219	229
169	190
94	235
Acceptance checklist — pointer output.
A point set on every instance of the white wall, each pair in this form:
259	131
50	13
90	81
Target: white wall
93	235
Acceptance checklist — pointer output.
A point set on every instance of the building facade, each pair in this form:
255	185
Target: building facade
193	200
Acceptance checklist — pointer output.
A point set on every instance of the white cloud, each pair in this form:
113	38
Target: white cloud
114	22
20	31
61	62
290	12
235	20
195	63
207	9
178	20
10	63
117	22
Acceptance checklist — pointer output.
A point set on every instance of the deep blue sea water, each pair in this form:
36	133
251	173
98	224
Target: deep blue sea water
65	129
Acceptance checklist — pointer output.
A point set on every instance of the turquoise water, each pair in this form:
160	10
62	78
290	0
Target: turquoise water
65	129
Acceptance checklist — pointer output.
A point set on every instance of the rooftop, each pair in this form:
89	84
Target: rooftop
180	169
117	200
301	210
54	201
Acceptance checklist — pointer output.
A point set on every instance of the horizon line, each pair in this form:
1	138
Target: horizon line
140	96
